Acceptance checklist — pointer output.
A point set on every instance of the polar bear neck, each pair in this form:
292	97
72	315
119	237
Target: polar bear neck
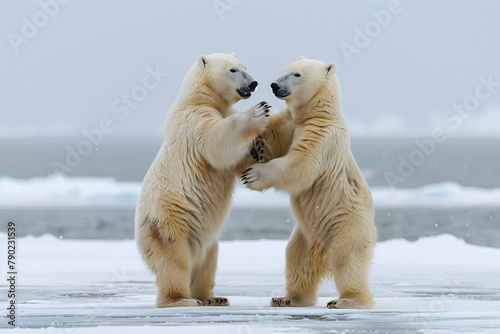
325	103
198	91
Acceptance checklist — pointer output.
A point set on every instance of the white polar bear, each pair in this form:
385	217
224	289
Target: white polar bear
187	191
312	161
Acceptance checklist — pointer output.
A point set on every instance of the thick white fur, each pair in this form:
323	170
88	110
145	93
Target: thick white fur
312	161
186	193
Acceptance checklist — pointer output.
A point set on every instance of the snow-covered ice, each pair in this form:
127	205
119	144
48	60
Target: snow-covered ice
435	285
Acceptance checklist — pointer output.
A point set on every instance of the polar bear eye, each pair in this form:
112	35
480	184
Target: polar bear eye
297	75
232	70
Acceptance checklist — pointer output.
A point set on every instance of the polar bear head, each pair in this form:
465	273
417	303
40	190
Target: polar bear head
226	76
302	80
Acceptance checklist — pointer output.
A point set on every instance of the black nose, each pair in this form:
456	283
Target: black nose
275	87
253	85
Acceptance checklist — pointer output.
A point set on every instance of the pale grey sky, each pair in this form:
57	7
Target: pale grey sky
66	67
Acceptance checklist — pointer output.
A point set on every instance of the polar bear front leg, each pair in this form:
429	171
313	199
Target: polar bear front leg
292	173
226	142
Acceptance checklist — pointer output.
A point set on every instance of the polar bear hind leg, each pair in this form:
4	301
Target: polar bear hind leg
169	260
350	273
203	279
305	268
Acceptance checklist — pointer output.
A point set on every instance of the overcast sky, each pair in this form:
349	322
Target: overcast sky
403	65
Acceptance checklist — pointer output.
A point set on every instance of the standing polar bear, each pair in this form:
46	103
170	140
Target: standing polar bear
187	191
335	233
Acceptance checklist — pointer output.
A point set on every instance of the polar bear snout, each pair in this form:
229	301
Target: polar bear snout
246	83
245	91
275	87
279	91
253	85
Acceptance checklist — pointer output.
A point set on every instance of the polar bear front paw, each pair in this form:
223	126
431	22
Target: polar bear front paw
258	116
260	150
260	110
253	177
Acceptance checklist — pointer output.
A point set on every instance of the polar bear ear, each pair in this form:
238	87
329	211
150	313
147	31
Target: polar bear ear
331	68
233	54
302	58
202	61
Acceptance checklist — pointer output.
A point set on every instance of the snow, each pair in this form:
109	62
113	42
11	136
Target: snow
480	124
450	194
80	191
62	190
437	284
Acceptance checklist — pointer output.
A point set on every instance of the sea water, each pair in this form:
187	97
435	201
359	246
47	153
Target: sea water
420	188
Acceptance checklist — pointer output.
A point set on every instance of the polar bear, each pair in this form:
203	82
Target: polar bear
186	193
311	160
